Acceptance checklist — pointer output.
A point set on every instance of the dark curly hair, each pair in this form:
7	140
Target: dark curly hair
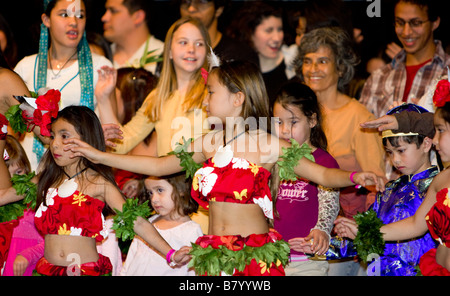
340	44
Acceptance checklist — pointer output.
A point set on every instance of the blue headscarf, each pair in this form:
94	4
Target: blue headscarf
86	73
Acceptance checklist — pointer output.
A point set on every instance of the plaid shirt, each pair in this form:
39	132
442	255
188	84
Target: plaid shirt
387	84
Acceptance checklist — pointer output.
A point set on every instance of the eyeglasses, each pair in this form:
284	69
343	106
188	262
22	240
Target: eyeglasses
196	3
414	23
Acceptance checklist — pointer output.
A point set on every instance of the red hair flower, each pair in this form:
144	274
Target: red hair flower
3	127
47	107
49	102
204	74
442	93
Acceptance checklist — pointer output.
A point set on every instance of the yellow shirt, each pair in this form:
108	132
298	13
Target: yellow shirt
174	123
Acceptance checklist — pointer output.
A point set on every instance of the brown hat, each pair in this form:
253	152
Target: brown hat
412	120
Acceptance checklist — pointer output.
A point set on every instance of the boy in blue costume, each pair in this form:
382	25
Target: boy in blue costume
409	152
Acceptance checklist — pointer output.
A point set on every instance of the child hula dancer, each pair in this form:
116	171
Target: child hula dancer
72	193
233	182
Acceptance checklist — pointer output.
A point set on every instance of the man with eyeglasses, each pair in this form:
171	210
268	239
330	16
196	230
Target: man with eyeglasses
419	65
208	12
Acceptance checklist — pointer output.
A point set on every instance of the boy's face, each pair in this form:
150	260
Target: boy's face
409	159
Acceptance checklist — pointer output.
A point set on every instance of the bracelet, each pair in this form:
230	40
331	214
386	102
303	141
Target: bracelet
169	257
351	177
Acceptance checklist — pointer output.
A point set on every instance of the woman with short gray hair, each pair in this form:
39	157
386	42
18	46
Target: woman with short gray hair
325	63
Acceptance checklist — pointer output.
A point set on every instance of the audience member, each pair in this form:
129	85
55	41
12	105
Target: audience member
209	12
260	25
8	44
64	62
326	64
418	65
125	24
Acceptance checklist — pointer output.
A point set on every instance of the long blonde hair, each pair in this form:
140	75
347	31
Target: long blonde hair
167	83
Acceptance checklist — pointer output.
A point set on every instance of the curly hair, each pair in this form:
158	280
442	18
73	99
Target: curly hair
340	44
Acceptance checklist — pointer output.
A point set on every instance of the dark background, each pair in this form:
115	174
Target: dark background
24	17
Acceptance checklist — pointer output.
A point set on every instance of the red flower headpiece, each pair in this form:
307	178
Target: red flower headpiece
442	93
47	107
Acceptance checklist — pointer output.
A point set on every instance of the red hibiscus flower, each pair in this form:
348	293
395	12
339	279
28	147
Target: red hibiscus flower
442	93
49	102
209	240
43	121
233	243
439	218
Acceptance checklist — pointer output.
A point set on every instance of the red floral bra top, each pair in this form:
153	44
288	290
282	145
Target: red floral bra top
438	218
240	181
77	215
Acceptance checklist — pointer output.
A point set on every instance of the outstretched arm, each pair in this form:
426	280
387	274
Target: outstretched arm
145	229
336	178
147	165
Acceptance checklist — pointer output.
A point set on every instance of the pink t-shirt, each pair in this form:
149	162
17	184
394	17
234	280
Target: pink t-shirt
298	204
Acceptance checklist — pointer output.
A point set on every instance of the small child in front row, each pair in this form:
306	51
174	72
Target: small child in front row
306	211
24	235
170	198
409	152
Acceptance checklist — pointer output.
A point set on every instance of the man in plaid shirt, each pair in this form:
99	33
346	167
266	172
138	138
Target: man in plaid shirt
419	65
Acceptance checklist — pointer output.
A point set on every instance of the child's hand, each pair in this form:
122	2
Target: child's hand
298	244
131	188
319	241
182	257
111	132
369	178
106	83
345	227
20	265
82	149
385	122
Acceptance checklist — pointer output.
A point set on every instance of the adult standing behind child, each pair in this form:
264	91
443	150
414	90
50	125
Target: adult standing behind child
125	24
326	63
209	13
171	199
260	25
64	62
420	63
305	211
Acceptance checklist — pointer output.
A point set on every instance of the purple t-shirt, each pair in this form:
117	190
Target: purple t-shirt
298	204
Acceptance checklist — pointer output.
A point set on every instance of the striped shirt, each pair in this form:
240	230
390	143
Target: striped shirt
387	84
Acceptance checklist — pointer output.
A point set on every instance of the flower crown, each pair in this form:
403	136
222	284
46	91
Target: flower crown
442	92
